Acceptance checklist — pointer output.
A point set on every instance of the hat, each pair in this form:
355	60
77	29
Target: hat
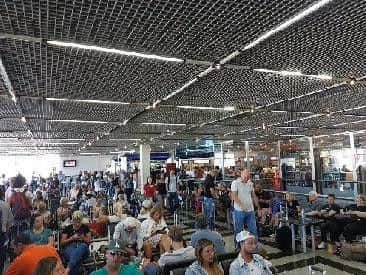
147	204
116	245
131	222
244	235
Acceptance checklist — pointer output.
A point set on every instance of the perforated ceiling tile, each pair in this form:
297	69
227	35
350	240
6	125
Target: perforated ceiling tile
47	71
330	41
206	30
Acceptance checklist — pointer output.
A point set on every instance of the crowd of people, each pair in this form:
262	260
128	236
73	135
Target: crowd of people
50	224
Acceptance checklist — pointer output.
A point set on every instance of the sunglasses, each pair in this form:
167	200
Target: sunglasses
118	253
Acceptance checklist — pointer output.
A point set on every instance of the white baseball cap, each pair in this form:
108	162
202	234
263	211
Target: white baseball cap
244	235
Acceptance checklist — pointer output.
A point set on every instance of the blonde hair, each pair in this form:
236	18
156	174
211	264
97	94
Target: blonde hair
77	215
156	208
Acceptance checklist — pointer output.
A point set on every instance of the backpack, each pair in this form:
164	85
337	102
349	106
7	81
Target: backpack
284	238
20	207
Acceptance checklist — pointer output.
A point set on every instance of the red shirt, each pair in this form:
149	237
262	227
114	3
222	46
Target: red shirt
149	190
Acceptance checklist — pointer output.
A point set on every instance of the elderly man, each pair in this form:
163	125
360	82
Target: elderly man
115	256
313	206
247	262
128	233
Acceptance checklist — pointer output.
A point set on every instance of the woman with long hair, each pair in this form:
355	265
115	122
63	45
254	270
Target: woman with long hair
206	263
50	266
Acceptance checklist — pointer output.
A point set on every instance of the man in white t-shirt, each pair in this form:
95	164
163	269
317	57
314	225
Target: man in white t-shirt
247	262
244	196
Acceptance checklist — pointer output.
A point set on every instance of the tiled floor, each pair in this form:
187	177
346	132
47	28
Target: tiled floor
285	263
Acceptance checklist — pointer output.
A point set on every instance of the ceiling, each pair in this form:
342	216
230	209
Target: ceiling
256	71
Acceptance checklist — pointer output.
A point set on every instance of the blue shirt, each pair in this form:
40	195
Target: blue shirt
239	267
213	236
41	238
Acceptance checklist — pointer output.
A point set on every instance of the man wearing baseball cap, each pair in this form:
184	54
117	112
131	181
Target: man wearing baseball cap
247	262
117	261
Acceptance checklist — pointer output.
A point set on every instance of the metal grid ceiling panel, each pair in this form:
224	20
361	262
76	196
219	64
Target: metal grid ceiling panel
48	71
331	41
244	88
200	29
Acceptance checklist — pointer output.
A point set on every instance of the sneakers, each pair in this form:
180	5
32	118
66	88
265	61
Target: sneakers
321	245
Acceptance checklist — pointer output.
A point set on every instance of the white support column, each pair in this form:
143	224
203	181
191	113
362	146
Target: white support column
247	154
144	164
354	153
223	161
311	158
279	157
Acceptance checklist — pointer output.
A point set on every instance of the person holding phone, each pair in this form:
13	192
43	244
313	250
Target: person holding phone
75	240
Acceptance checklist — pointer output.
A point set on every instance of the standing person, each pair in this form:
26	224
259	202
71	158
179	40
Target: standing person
172	182
243	196
149	189
129	187
6	219
161	188
208	195
3	183
247	262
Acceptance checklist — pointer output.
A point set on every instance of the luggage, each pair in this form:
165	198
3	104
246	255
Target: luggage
354	251
283	237
316	270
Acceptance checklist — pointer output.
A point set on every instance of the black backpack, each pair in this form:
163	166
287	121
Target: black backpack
284	238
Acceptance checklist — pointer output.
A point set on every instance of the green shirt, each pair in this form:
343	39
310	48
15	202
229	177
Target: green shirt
126	269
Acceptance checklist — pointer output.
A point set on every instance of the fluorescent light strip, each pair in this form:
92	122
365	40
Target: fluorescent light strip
62	143
125	139
226	108
288	23
86	153
79	121
292	135
163	124
295	73
114	51
88	101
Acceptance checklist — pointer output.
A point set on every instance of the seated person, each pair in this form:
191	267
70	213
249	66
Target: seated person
180	251
202	232
248	262
291	205
117	261
264	200
313	206
128	233
64	212
145	210
49	265
44	212
75	241
154	231
38	233
28	255
327	211
37	199
206	260
358	225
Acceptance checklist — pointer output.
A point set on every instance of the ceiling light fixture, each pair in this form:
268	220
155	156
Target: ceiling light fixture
288	23
125	139
79	121
114	51
89	153
23	119
295	73
163	124
226	108
88	101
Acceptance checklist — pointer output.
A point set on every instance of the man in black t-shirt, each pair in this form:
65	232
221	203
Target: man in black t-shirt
328	211
75	240
208	194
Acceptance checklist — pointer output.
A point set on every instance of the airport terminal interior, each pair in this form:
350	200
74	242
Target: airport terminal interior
201	137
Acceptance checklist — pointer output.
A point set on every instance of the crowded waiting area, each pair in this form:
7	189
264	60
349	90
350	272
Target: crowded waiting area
177	137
